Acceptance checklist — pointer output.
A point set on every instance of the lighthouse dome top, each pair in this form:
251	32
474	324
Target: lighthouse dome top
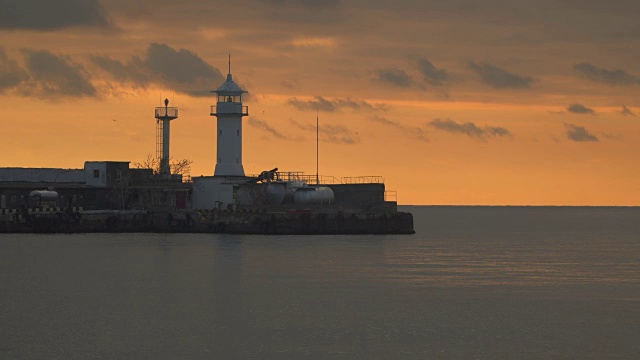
229	87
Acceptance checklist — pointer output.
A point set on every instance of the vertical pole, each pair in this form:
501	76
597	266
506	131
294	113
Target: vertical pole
317	145
165	169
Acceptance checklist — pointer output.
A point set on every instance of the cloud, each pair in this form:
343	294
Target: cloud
303	11
48	14
181	70
499	78
470	129
579	133
319	103
288	84
56	75
337	134
132	72
307	42
46	74
411	131
431	74
394	76
263	125
497	131
336	104
580	109
626	111
305	3
179	66
11	74
611	136
601	75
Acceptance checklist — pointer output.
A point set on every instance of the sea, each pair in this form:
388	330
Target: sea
471	283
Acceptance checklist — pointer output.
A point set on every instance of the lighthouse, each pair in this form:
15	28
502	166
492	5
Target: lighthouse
164	115
229	112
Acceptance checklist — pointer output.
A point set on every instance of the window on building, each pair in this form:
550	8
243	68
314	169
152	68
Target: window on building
96	174
238	132
237	160
118	175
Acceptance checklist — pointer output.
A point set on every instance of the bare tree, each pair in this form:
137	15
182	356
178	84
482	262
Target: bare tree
121	189
182	167
150	162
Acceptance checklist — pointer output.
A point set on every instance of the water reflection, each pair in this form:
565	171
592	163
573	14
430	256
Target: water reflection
472	283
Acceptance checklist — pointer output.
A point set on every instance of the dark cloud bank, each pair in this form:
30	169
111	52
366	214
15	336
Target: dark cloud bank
182	70
394	76
411	131
612	77
431	74
44	75
47	75
580	109
330	105
499	78
579	133
336	134
50	14
469	129
264	126
11	74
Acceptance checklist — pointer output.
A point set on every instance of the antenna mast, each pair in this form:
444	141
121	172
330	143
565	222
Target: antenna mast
317	144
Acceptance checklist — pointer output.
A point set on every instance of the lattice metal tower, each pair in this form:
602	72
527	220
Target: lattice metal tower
164	115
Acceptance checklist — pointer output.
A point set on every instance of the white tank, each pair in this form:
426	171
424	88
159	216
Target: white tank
291	187
321	195
43	198
275	193
297	183
44	195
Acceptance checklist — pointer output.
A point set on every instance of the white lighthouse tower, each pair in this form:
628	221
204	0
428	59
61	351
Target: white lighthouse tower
229	111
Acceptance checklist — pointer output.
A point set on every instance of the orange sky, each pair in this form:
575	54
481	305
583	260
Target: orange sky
458	102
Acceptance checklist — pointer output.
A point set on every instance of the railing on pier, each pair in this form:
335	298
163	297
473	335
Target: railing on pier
363	180
293	176
309	179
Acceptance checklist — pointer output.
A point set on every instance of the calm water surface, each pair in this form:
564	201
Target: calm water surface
473	283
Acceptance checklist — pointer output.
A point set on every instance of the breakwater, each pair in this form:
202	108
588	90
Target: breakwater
237	221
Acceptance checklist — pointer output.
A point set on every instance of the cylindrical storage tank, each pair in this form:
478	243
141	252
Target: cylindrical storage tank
288	194
43	198
313	196
291	188
275	193
297	184
44	195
